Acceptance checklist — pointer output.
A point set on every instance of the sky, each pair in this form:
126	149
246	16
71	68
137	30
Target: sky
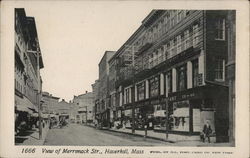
74	36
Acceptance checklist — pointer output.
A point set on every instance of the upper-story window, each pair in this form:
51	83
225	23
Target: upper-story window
195	34
220	29
151	56
178	40
126	101
179	16
172	48
155	58
187	39
154	86
181	77
219	69
141	91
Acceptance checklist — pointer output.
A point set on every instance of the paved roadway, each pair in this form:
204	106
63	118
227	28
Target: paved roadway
75	134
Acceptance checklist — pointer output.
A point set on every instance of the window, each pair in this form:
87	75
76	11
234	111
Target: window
155	58
219	69
179	16
169	77
195	72
187	43
178	44
127	95
172	48
141	91
220	29
154	86
151	56
181	78
195	35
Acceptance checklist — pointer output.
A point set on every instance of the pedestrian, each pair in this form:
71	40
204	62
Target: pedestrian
207	131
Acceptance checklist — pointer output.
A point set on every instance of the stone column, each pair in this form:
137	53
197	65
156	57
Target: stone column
130	94
147	89
174	79
135	92
161	84
166	81
201	67
189	75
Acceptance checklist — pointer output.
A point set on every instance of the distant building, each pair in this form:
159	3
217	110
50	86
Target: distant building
85	103
103	94
95	90
50	103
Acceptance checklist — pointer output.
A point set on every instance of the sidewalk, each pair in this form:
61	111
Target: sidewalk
31	137
175	139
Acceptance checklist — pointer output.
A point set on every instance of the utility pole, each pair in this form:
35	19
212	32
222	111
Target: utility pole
167	124
133	90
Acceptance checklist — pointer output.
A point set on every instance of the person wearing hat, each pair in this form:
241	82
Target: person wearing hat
207	130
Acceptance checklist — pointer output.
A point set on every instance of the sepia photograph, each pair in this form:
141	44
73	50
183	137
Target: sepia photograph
124	78
158	87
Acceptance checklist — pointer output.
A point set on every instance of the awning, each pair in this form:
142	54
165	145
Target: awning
24	104
23	108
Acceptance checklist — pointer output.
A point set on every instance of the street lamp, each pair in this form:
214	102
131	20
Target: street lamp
37	54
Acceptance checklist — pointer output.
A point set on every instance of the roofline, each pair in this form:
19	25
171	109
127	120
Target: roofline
107	51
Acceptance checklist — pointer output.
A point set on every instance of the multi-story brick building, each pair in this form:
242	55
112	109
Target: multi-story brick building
95	89
173	74
27	77
103	109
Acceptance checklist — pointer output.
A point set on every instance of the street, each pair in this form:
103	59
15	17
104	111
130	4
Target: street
76	134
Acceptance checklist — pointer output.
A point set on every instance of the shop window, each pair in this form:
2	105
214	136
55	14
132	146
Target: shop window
220	29
181	78
154	86
195	71
219	69
180	116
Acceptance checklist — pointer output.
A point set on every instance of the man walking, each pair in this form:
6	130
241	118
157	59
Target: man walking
207	131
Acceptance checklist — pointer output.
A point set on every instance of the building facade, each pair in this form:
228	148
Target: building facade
230	70
27	68
103	105
85	104
172	84
95	89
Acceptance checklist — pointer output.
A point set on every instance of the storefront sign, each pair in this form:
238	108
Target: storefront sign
184	95
160	113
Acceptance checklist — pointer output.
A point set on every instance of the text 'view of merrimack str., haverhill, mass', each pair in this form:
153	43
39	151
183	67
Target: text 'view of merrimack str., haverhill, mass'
172	83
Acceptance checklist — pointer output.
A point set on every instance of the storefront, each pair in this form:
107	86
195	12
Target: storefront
189	110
